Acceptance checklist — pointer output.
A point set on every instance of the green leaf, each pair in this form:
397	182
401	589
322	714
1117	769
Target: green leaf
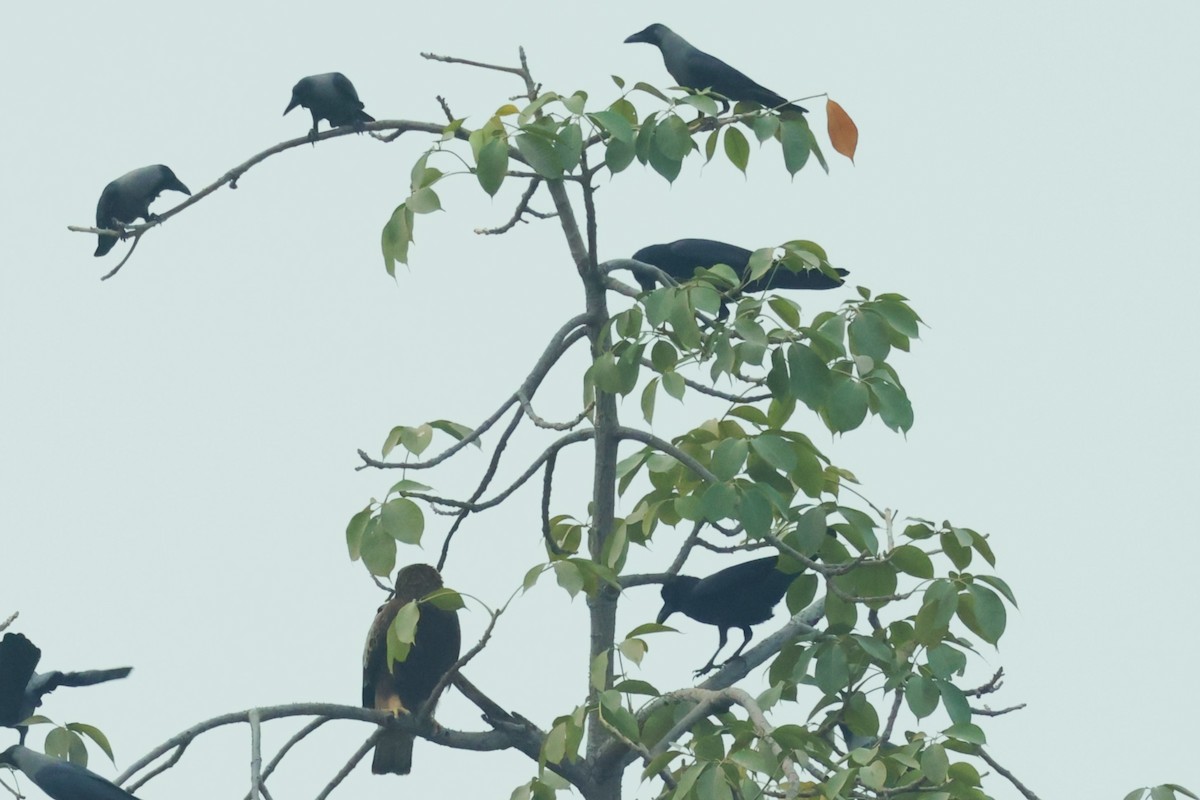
775	450
892	405
569	146
811	379
672	138
795	140
957	707
873	776
403	520
633	649
405	623
702	103
935	763
491	165
378	550
846	407
539	153
922	695
575	103
615	124
454	429
737	149
719	502
423	201
765	126
982	611
618	155
912	560
649	394
999	585
630	686
868	335
569	577
396	237
832	671
354	532
966	732
96	735
640	86
728	458
673	383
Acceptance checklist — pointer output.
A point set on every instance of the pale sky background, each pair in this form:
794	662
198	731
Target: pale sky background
177	444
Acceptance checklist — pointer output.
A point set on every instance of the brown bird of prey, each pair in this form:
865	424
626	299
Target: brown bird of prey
405	686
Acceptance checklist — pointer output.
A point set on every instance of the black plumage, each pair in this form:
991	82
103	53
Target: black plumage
681	258
695	69
129	197
329	96
22	687
735	597
62	780
407	685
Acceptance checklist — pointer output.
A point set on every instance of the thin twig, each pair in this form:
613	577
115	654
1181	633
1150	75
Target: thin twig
1022	788
445	108
137	237
160	769
569	439
453	60
891	720
518	215
560	342
552	426
349	766
664	446
992	685
547	485
11	619
460	740
255	755
288	745
488	474
988	712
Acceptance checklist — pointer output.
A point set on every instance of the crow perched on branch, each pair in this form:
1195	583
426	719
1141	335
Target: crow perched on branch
61	780
403	687
330	96
22	688
696	69
682	257
735	597
129	197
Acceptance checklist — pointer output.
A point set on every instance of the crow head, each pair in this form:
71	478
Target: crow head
651	35
675	593
298	97
169	181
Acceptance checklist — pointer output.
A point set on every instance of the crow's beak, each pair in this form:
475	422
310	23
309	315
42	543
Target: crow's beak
179	187
291	105
640	36
662	615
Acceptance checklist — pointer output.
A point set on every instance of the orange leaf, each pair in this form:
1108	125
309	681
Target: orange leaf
843	133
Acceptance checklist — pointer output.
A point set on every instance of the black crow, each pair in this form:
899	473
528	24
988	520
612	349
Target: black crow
680	258
403	687
736	597
329	96
129	197
61	780
22	688
696	69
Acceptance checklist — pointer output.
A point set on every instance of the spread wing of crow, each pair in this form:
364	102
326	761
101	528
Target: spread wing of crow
62	780
406	686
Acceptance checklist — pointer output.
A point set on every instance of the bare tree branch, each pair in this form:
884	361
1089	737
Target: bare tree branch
461	740
553	426
287	746
560	342
569	439
664	446
255	755
998	712
453	60
488	474
1022	788
996	681
349	766
520	212
11	619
